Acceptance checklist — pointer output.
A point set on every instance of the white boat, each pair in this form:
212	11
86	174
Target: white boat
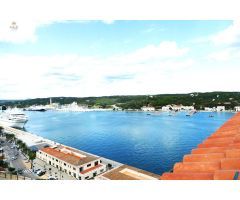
13	118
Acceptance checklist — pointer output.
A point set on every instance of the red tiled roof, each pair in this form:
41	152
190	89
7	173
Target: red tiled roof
90	169
70	158
218	157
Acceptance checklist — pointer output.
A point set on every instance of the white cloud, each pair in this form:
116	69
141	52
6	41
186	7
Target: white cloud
227	43
223	55
144	71
229	36
26	31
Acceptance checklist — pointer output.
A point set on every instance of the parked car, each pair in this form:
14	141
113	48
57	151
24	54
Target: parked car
36	170
40	173
13	158
52	178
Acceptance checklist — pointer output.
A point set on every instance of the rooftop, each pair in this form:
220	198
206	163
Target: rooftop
91	169
126	172
216	158
69	155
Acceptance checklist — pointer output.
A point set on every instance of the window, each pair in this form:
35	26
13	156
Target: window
74	174
74	168
81	169
101	170
40	152
96	163
79	178
56	160
89	165
52	158
100	161
64	164
86	177
70	173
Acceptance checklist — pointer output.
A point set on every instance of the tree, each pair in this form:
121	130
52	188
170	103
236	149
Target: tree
11	169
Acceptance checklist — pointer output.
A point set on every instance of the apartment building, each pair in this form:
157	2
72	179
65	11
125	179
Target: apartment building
76	163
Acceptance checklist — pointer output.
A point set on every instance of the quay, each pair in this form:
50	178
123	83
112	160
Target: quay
216	158
67	163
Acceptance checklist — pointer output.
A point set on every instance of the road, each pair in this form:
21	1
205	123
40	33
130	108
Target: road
10	151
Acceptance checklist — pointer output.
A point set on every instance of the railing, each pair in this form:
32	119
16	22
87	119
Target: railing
9	176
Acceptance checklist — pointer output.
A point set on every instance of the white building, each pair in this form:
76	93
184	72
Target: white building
72	161
187	107
208	109
147	108
237	108
167	108
220	108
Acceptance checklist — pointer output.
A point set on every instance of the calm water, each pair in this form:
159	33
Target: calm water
151	142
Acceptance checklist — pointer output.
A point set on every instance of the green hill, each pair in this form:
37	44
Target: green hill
199	100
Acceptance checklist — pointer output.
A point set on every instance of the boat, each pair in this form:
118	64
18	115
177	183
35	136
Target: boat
210	116
191	113
13	118
36	108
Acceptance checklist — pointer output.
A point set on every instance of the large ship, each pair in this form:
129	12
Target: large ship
13	118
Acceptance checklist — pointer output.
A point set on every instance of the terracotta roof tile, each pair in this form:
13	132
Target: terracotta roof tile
187	176
203	157
224	174
230	163
91	169
207	167
218	157
68	157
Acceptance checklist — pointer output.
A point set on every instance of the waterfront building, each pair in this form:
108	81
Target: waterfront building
147	108
125	172
220	108
72	161
209	109
167	108
237	108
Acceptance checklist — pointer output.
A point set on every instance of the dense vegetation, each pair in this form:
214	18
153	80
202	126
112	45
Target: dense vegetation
199	100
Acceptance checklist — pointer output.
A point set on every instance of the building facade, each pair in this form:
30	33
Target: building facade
75	163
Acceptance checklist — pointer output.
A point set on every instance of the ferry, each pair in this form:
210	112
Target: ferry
13	118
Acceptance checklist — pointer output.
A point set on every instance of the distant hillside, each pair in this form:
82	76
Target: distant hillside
199	100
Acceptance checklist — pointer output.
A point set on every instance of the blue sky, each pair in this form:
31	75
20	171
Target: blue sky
95	58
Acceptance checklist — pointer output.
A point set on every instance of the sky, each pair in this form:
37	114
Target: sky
122	57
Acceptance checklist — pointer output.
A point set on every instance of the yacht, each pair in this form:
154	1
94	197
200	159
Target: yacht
13	118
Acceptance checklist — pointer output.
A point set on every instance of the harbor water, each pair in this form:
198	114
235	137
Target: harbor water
153	142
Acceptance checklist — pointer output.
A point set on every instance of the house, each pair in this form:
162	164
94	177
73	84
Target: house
167	108
147	108
237	108
72	161
220	108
